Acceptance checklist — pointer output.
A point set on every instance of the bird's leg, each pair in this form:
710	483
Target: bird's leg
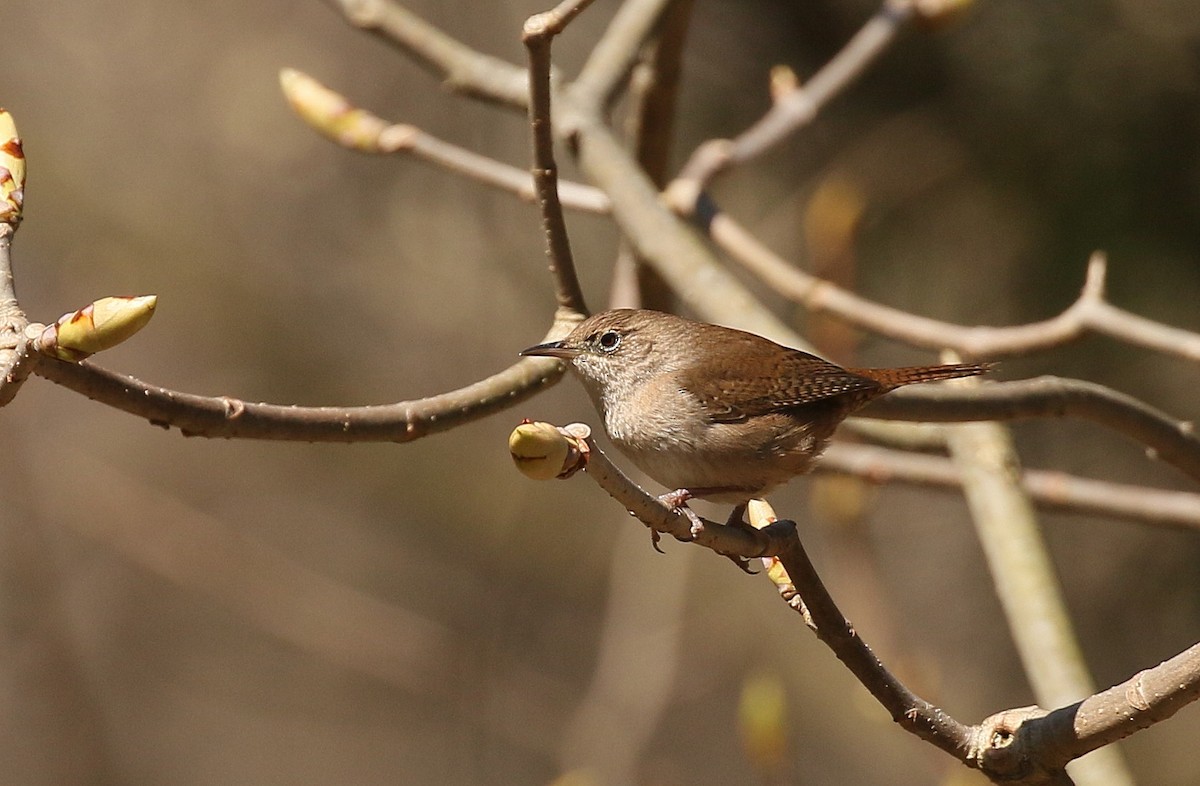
677	501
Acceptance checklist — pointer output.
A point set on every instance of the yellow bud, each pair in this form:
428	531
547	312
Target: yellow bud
539	450
330	113
96	327
12	170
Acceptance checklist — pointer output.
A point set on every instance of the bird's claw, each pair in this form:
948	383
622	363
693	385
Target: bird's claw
654	539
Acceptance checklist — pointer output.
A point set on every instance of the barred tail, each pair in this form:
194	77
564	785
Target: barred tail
892	378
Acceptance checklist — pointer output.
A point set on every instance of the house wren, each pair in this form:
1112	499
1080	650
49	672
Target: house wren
717	413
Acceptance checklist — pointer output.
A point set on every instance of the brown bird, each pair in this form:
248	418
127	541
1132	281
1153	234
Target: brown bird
717	413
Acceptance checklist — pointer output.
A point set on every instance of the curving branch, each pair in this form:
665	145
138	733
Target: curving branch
1049	489
1026	583
794	109
1167	439
463	69
1023	746
227	417
1090	312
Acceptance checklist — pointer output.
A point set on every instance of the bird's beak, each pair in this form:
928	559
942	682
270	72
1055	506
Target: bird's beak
554	349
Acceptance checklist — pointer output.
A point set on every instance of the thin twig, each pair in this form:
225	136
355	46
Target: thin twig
649	126
341	121
537	36
464	69
1170	440
1049	489
1090	312
913	713
659	237
1026	745
615	54
226	417
489	171
798	108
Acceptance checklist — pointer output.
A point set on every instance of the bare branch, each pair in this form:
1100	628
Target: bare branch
659	237
1049	489
781	540
1150	696
464	69
1037	744
1168	439
14	351
1027	745
335	117
654	84
913	713
1089	312
798	107
16	359
222	416
489	171
614	55
537	36
1026	583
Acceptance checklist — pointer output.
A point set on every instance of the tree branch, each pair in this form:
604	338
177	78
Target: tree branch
464	70
537	36
1049	489
1168	439
1026	584
794	110
226	417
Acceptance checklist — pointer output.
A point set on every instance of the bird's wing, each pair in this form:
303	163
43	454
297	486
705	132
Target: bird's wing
751	381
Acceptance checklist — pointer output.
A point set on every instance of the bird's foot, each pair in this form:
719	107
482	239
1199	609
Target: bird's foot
654	539
677	501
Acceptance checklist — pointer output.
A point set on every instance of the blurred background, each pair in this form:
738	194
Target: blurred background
190	611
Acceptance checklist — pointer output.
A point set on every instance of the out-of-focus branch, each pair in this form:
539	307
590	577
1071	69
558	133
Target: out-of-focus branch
1051	490
361	130
333	115
1167	439
659	237
649	125
793	110
463	69
614	55
1026	584
1090	312
223	416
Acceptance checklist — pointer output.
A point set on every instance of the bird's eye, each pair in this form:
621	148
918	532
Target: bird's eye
609	340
